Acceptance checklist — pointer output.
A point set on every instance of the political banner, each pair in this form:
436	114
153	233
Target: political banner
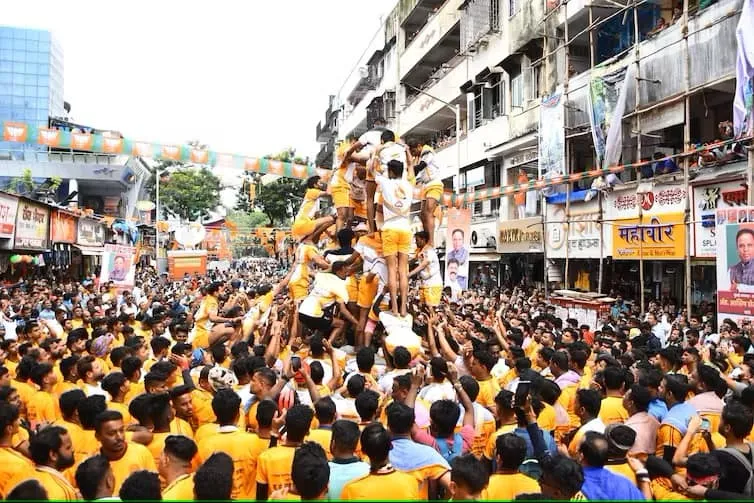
552	134
118	265
735	263
457	243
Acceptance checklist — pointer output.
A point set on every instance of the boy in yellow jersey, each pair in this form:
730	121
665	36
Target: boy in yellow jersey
383	480
13	464
508	482
43	404
306	256
430	178
484	421
207	315
184	411
368	253
95	479
329	291
175	468
481	366
506	416
239	445
340	186
428	270
117	386
274	464
52	452
587	407
305	224
124	457
261	309
468	478
612	410
397	195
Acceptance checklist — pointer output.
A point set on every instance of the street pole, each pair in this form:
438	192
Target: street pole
158	173
458	138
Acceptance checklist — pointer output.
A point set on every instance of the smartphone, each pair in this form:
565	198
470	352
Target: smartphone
522	393
295	363
705	424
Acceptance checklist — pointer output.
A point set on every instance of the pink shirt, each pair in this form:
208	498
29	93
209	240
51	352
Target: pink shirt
467	434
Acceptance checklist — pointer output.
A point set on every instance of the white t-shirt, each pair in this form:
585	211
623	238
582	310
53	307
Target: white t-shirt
327	290
397	196
430	275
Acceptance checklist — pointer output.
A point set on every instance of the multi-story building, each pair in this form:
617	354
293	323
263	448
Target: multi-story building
667	68
31	92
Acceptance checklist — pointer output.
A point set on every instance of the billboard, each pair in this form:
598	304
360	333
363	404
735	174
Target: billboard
118	265
735	263
457	243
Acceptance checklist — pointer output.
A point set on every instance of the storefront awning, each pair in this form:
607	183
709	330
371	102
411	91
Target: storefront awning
90	251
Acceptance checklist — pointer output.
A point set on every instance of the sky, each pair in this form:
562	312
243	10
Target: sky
245	76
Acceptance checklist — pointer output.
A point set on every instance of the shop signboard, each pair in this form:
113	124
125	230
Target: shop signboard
32	226
90	233
706	200
8	207
657	237
735	263
582	228
520	236
62	227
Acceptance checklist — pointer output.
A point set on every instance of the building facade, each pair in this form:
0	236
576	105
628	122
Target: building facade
539	84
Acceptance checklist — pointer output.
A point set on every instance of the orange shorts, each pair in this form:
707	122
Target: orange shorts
298	290
433	191
367	291
341	196
430	295
352	284
396	241
302	227
359	208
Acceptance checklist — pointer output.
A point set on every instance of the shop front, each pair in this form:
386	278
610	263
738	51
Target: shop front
578	238
648	230
520	243
32	236
63	227
484	261
726	191
90	243
8	208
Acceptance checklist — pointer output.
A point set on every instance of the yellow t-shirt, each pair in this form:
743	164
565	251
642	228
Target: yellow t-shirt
547	418
25	392
123	409
13	465
137	457
209	304
202	402
395	485
612	410
157	445
506	486
322	436
54	483
242	448
179	426
181	489
488	390
43	406
625	470
489	449
274	467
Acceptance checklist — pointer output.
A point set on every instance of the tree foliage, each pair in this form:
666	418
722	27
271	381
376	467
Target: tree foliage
26	185
280	200
190	193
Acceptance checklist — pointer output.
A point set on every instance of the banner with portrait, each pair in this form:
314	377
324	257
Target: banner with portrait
118	265
457	245
735	263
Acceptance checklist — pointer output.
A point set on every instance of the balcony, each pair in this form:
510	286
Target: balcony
416	16
433	44
324	133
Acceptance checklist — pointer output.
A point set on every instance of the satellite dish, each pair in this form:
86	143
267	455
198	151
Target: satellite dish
190	235
145	205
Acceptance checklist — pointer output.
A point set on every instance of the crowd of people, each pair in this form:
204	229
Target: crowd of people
354	375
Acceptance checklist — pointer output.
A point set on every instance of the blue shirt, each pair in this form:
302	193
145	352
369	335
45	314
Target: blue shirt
602	484
549	442
343	471
658	409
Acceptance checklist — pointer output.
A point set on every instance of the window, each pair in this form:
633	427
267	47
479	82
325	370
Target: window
515	6
535	72
493	97
479	18
517	91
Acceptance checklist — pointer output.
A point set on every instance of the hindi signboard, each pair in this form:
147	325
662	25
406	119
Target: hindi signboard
32	226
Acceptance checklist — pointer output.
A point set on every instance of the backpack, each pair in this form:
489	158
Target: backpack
448	452
748	463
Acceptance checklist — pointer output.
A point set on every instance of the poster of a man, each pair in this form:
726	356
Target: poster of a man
120	269
742	273
460	254
451	279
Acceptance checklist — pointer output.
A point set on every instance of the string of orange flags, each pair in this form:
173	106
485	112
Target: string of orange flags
21	132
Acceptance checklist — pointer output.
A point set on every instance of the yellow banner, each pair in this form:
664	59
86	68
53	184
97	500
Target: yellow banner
659	237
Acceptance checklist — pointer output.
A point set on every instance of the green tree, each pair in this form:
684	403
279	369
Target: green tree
26	185
280	200
190	193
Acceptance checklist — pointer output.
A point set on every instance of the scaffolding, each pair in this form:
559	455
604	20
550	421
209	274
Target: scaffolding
559	43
